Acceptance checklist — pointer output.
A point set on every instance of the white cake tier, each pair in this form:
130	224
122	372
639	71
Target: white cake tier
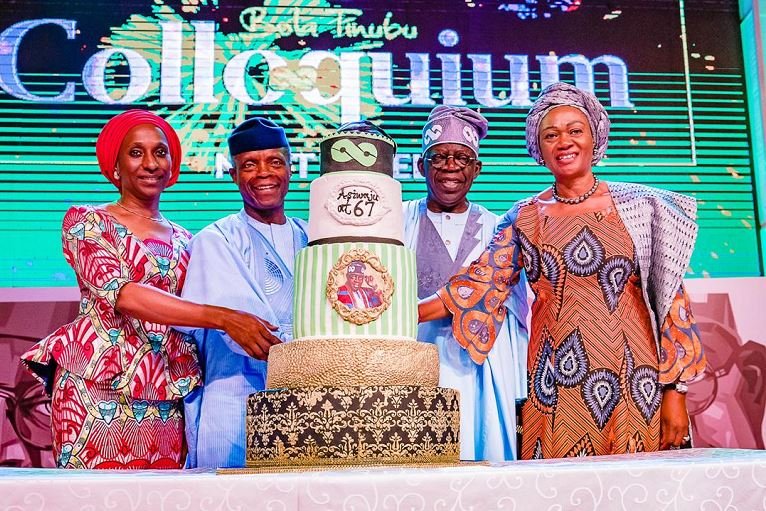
352	363
355	204
329	305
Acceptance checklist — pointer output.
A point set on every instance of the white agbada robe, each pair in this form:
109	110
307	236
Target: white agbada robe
488	392
235	263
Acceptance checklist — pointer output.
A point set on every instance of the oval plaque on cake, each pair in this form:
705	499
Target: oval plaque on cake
359	287
357	203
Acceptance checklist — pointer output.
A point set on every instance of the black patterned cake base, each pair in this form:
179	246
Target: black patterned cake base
378	425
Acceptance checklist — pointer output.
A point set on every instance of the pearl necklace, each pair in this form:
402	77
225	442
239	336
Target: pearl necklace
160	220
576	200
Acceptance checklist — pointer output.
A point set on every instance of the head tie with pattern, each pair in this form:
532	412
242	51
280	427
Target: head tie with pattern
564	94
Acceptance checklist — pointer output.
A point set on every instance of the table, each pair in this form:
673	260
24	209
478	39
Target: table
698	479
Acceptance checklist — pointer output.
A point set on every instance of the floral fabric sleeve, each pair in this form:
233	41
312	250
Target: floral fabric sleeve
681	354
91	248
477	294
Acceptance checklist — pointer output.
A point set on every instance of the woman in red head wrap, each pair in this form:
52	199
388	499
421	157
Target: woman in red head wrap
117	373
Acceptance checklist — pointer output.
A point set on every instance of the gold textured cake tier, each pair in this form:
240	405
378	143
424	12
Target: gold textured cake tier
307	363
377	425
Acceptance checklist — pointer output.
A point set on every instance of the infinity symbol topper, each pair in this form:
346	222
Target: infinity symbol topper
364	154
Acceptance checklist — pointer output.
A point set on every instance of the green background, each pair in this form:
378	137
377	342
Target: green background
47	158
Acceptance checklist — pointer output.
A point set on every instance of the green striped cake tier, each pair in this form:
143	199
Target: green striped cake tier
313	312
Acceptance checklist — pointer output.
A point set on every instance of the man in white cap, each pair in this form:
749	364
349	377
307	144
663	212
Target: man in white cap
447	232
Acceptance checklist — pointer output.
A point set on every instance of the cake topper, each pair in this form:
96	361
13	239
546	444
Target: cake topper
357	146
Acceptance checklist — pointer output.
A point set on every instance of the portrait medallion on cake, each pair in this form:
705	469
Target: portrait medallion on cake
359	287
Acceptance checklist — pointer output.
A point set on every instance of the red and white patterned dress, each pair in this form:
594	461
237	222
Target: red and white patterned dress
116	381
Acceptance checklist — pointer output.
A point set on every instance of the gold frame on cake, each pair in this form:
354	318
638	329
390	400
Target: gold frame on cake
336	279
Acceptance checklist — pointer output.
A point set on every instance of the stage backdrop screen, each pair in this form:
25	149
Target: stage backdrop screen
669	73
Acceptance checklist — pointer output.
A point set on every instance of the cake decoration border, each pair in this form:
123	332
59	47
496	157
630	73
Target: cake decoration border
317	463
359	134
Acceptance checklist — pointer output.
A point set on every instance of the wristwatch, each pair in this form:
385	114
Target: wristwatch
678	386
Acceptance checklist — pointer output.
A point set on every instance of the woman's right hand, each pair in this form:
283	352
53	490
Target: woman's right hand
151	304
251	332
431	308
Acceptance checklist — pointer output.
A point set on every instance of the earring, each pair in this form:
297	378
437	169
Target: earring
541	162
116	174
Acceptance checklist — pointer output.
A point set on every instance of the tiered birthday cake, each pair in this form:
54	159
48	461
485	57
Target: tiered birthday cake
354	387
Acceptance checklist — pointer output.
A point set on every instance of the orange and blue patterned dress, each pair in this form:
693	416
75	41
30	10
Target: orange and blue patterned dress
116	382
594	370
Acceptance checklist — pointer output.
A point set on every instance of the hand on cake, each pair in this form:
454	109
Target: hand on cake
254	334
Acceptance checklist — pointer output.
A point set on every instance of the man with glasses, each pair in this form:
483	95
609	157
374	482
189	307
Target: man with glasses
447	232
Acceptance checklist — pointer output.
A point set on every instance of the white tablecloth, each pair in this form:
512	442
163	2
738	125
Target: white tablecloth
698	479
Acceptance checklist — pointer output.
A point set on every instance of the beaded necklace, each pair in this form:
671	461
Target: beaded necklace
576	200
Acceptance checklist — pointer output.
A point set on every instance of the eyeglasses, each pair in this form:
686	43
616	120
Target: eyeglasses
439	161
